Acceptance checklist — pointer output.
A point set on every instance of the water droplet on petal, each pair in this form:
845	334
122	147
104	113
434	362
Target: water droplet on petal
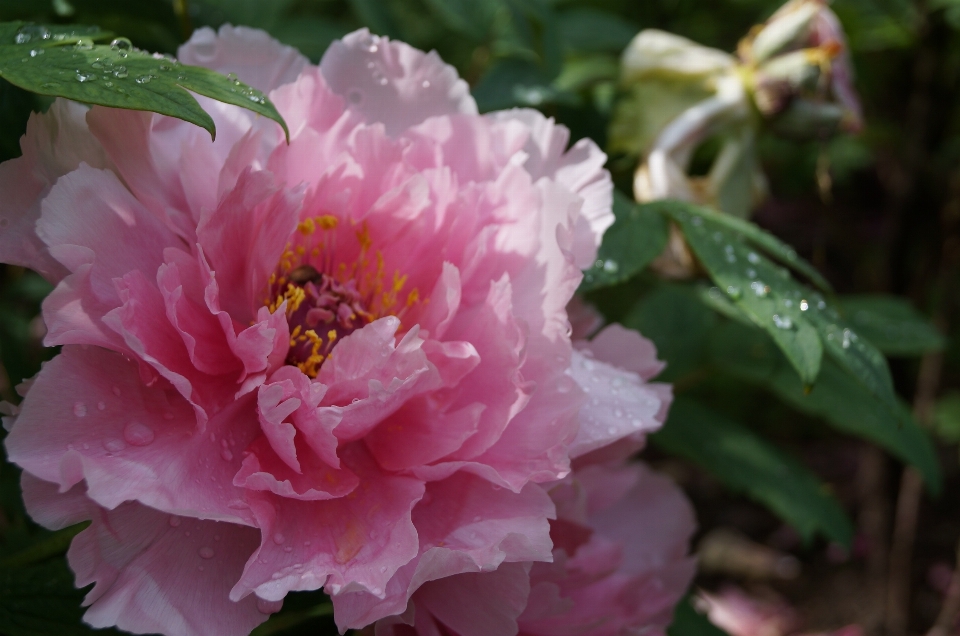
226	455
278	538
175	521
113	445
101	405
206	553
138	434
80	409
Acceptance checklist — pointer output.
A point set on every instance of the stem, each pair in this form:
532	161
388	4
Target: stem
908	505
182	10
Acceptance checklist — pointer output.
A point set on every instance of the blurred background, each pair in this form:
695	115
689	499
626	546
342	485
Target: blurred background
877	212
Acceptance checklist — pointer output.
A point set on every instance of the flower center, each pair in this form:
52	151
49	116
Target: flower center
326	300
320	311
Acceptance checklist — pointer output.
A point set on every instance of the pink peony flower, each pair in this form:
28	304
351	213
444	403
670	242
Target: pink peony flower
339	363
619	567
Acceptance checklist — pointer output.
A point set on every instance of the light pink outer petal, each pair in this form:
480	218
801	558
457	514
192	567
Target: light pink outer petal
89	417
152	572
90	219
579	169
250	54
465	524
630	574
476	604
626	349
393	83
619	405
55	144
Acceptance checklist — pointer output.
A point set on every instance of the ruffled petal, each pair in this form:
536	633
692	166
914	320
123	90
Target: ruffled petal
619	405
250	54
137	558
465	525
392	83
347	544
88	417
56	143
579	169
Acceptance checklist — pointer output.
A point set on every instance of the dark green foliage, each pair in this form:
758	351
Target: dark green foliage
745	463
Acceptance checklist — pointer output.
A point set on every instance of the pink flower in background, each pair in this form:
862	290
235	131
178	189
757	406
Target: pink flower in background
620	566
341	363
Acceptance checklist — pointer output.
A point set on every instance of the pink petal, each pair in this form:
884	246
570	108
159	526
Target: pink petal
137	558
88	417
263	470
627	349
55	144
579	169
479	604
619	405
89	217
465	524
393	83
250	54
347	544
244	238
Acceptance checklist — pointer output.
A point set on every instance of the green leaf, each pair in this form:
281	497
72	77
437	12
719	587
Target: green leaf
763	240
763	291
891	324
593	31
513	82
745	463
52	544
675	320
687	621
40	600
376	15
797	318
837	398
637	237
946	418
119	76
470	17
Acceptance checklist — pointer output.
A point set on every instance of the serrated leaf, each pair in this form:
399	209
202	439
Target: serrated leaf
41	600
637	237
123	77
796	317
687	621
837	398
891	324
745	463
